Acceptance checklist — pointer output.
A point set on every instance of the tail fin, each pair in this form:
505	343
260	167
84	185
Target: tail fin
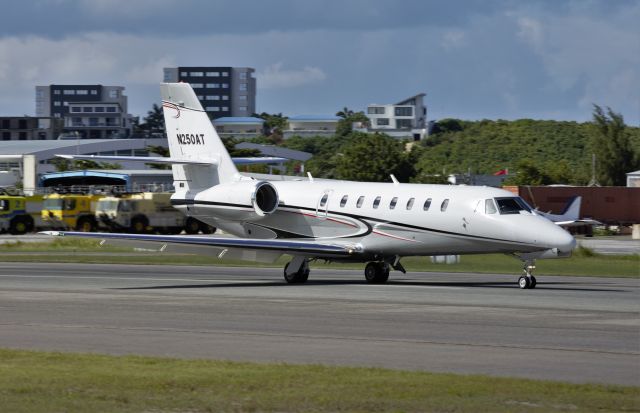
570	214
572	210
191	136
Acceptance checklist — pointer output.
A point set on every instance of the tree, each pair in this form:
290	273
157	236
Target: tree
372	158
153	123
345	113
527	173
230	144
162	151
345	125
447	125
611	144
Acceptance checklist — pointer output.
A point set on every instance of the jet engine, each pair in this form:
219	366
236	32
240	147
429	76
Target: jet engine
233	200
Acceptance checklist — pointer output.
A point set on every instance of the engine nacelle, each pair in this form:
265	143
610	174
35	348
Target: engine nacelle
230	200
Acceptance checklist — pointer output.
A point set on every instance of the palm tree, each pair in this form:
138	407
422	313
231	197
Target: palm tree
345	113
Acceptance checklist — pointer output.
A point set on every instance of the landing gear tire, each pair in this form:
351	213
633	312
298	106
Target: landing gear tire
376	272
523	282
299	277
527	281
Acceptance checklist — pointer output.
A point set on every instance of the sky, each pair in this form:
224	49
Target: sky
475	59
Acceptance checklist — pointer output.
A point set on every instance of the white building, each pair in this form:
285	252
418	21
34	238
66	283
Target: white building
405	119
239	127
311	125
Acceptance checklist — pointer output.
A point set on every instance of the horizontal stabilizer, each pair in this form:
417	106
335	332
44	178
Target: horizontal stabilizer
181	161
146	159
258	160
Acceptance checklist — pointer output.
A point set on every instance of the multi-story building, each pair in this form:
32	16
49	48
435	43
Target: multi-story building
27	128
407	118
222	91
89	111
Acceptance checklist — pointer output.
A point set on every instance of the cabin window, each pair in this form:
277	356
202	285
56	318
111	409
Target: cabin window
343	201
360	201
376	202
444	205
394	201
427	204
410	203
489	207
323	201
512	205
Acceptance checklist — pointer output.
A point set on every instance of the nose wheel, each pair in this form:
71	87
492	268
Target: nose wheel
527	281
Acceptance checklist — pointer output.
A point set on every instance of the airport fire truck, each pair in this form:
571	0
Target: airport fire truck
20	214
145	212
71	211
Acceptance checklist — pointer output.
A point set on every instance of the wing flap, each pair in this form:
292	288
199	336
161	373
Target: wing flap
187	242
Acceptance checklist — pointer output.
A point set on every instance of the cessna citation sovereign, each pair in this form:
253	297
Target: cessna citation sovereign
342	221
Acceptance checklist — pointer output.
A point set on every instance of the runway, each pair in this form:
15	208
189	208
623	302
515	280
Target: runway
575	329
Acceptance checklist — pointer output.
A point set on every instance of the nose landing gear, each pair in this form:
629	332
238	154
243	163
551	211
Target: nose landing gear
527	281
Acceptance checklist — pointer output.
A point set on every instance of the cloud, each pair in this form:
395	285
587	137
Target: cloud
453	39
602	57
531	32
501	59
275	77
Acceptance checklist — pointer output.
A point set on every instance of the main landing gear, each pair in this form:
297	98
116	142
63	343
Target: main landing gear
376	272
297	271
527	280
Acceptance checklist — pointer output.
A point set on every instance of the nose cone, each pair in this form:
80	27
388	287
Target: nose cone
560	239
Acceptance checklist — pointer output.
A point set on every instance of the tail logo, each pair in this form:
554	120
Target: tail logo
172	106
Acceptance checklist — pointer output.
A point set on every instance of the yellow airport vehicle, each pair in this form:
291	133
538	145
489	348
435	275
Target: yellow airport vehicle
71	211
145	212
20	214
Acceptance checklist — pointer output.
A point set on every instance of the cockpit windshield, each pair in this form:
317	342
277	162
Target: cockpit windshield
512	205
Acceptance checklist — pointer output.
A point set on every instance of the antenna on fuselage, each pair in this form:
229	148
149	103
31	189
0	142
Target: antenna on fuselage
310	177
394	179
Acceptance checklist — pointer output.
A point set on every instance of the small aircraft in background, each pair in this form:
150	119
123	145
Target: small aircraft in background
570	216
344	221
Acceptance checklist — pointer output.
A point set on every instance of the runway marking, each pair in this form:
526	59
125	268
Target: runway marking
324	337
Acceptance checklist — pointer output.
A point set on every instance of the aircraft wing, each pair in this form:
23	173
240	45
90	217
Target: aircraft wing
195	244
578	222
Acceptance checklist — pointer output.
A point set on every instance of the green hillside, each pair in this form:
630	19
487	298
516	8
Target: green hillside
487	146
560	149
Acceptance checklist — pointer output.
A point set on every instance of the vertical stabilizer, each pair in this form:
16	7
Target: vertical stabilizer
191	136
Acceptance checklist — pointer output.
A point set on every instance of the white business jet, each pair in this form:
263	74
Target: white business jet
341	221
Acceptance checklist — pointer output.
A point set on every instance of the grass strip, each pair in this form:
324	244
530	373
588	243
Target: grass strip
51	382
584	262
